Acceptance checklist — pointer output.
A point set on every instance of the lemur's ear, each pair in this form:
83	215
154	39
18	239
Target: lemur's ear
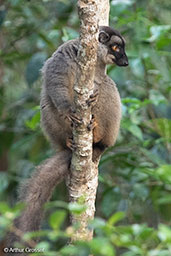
103	37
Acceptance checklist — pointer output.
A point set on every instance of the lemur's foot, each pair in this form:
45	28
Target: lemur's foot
73	118
93	98
70	144
92	124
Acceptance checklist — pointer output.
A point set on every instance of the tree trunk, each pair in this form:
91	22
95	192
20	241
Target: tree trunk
83	178
104	8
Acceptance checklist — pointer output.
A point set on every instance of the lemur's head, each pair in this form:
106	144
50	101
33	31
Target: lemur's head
113	46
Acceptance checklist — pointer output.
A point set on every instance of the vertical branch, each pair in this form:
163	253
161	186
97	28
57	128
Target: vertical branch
104	8
83	179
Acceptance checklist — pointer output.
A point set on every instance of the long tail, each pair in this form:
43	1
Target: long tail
37	191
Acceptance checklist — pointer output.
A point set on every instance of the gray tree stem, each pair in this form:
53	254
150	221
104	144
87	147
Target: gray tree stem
83	178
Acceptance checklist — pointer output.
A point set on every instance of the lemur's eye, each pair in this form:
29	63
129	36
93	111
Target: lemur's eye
115	48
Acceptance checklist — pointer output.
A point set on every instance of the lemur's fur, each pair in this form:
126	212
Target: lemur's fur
57	106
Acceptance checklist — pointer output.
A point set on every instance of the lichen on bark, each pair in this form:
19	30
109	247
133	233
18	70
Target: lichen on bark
83	178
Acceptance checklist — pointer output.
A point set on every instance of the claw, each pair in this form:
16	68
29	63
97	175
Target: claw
74	118
70	144
93	98
92	124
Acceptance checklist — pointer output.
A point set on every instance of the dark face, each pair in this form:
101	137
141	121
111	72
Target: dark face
118	51
115	44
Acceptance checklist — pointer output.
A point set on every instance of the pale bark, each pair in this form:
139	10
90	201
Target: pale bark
83	179
104	8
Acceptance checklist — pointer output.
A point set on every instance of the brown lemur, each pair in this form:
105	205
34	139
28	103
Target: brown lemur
57	113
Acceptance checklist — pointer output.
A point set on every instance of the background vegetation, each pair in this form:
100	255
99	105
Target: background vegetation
133	206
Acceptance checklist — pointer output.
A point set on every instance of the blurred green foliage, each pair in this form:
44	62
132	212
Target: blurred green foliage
133	206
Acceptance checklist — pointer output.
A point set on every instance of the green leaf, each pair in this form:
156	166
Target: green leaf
165	199
60	204
157	252
57	218
154	158
5	223
115	218
157	32
97	223
35	234
43	246
164	127
101	246
4	207
77	208
131	100
164	172
34	122
136	131
164	233
70	250
141	191
133	128
156	97
69	34
11	213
